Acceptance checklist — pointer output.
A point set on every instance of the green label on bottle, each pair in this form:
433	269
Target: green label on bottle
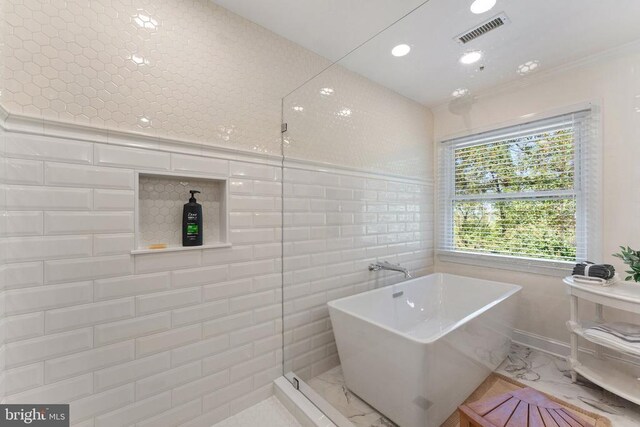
192	228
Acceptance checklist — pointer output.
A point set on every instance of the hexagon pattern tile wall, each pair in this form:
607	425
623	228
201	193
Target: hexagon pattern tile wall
340	116
187	70
193	71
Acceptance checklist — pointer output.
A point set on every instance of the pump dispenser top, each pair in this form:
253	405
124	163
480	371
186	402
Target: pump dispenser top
192	199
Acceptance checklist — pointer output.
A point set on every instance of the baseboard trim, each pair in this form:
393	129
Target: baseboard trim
544	344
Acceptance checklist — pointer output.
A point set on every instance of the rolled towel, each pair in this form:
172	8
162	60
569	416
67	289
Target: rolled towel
589	269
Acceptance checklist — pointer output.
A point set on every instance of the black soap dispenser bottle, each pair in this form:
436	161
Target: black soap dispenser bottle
192	222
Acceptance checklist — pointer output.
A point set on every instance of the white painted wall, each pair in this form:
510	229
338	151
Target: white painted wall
613	81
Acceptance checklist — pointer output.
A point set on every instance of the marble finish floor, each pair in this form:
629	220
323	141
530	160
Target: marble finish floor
551	375
544	372
268	413
330	385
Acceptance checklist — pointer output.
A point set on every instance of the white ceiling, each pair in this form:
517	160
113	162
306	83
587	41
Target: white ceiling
550	31
330	28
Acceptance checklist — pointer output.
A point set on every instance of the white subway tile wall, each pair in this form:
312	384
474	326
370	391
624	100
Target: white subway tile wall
122	337
194	335
333	229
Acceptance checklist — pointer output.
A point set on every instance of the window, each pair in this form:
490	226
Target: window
521	193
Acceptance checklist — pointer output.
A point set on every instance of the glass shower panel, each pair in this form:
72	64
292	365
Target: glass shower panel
361	154
357	187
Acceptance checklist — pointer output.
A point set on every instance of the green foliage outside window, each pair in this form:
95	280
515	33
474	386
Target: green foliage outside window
540	227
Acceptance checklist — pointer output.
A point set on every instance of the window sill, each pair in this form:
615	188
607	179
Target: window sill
526	265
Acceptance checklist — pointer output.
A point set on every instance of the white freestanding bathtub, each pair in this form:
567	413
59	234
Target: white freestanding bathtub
415	351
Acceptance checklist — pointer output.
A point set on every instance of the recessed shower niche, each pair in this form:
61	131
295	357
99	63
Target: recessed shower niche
159	202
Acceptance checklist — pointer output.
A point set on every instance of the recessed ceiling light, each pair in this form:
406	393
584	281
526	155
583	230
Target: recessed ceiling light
401	50
481	6
528	67
297	108
345	112
460	92
326	91
471	57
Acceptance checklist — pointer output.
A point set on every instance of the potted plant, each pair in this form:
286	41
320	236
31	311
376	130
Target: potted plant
632	259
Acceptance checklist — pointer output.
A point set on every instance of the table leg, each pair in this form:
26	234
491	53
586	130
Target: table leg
599	313
599	319
464	420
574	337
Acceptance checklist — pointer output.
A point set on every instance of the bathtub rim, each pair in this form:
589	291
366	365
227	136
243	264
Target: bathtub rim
514	290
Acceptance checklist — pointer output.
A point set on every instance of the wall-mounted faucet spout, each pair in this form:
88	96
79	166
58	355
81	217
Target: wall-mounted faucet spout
386	265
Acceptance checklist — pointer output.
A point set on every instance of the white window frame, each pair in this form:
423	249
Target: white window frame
587	190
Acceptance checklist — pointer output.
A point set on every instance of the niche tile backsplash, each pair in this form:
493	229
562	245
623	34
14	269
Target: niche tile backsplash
161	199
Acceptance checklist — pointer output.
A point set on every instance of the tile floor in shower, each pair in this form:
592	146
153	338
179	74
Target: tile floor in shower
533	368
268	413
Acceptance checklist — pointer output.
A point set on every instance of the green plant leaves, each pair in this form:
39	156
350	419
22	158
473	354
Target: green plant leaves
630	257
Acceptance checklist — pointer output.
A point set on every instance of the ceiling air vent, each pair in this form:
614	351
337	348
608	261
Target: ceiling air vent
495	22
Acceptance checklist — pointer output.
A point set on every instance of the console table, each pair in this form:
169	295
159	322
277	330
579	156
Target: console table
611	373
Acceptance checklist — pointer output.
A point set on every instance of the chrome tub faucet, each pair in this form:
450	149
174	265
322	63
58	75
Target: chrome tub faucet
386	265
